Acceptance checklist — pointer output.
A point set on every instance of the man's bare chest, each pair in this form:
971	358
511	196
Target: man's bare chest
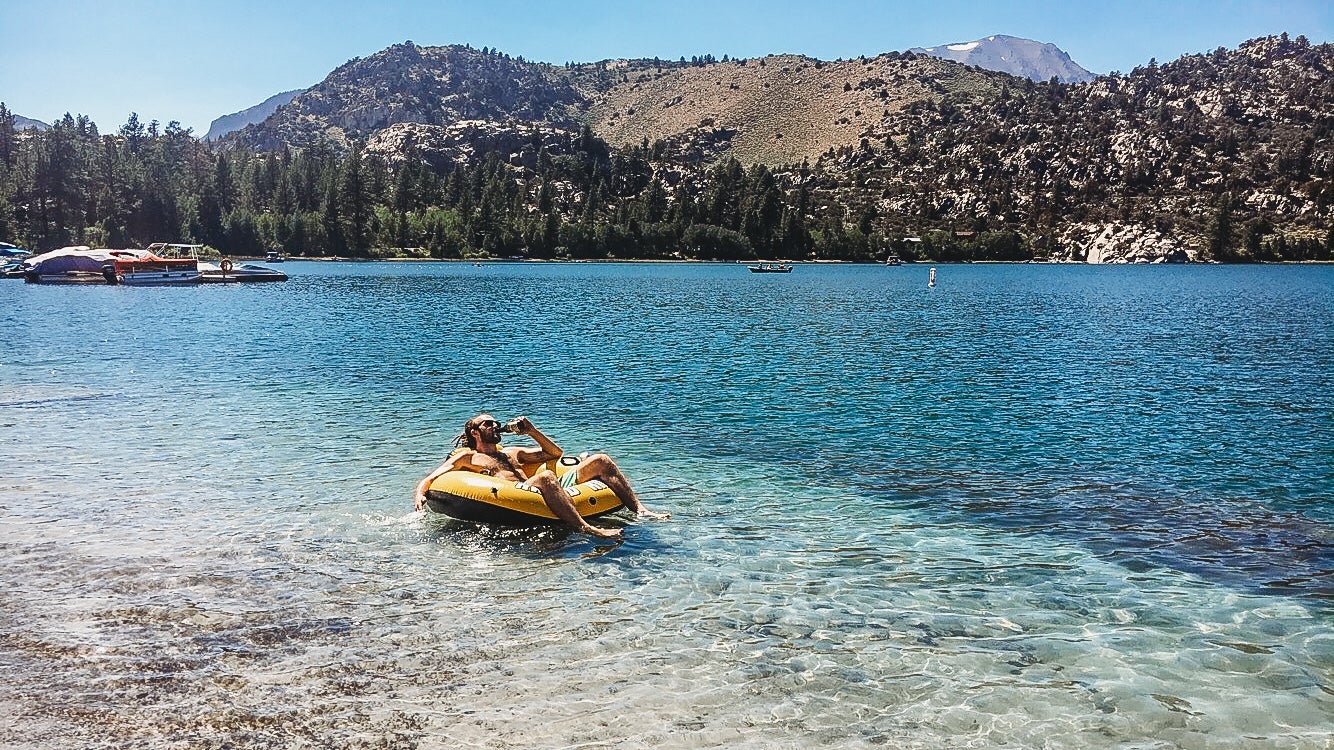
498	464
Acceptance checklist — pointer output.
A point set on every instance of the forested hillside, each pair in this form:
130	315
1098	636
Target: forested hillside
1230	151
453	152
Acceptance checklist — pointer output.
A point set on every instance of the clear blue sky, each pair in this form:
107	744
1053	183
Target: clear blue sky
194	61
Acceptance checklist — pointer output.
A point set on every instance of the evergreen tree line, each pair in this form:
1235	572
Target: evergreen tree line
71	185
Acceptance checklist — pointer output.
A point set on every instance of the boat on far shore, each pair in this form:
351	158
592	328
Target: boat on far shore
771	268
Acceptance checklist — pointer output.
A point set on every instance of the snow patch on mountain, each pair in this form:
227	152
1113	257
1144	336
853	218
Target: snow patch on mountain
1038	61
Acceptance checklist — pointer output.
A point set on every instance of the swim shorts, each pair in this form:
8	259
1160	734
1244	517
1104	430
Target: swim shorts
567	480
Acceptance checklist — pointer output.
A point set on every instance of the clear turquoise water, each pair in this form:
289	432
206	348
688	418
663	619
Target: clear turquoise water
1036	506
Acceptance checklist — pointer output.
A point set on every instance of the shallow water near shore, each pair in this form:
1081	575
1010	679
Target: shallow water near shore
1034	506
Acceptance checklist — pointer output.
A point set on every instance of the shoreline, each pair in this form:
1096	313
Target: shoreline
409	259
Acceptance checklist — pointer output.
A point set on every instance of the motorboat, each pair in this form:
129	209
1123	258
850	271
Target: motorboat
893	260
273	256
215	270
771	268
11	261
226	272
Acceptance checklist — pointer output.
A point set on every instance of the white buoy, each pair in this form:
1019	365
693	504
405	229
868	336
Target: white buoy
932	280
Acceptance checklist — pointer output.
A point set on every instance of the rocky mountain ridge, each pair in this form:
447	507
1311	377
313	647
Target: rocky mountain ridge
410	84
774	110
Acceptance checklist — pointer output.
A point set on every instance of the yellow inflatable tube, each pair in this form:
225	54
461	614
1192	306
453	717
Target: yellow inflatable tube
469	496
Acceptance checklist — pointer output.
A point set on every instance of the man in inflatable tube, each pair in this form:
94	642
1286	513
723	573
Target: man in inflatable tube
484	455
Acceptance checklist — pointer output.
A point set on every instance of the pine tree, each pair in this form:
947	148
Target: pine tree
331	220
8	178
1220	232
355	206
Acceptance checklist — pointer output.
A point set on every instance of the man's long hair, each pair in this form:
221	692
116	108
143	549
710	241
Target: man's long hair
466	439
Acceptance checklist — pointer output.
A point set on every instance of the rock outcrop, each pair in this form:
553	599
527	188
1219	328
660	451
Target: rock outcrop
441	147
1118	242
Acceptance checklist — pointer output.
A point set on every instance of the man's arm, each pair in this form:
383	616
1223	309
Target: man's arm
460	460
546	449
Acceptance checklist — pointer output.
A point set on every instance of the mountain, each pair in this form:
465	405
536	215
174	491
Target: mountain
775	110
1025	58
771	110
24	123
429	85
1225	155
258	113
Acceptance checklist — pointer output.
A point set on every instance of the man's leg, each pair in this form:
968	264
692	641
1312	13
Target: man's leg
559	502
601	466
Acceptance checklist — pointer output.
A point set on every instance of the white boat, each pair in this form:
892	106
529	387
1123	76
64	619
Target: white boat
214	270
226	272
154	271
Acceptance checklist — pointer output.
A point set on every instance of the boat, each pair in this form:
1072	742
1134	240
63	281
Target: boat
76	264
273	256
153	270
215	270
771	268
226	272
893	260
469	496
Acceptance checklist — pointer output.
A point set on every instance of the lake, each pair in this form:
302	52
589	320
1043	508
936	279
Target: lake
1033	506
